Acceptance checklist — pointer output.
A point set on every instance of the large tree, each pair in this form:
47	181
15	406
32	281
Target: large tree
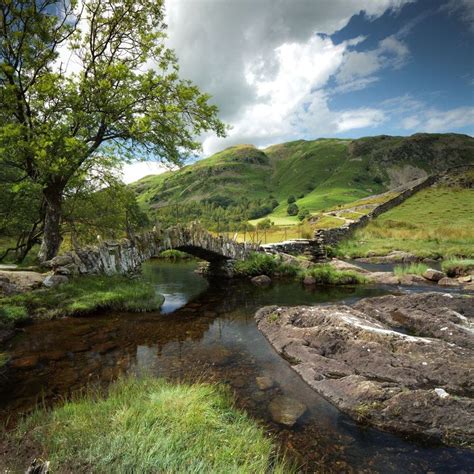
81	81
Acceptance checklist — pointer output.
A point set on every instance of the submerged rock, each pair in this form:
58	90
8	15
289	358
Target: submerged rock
264	382
367	360
286	411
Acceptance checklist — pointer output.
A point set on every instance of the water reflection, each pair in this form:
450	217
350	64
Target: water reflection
214	337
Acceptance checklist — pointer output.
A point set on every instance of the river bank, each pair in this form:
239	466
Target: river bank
214	338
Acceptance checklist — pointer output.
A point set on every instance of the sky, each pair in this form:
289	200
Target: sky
282	70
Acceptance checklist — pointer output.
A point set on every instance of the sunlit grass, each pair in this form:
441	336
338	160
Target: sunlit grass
436	222
458	266
411	269
150	425
80	296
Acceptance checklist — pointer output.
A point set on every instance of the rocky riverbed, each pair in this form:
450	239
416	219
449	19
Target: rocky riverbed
401	363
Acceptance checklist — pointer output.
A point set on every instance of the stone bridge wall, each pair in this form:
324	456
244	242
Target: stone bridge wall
127	255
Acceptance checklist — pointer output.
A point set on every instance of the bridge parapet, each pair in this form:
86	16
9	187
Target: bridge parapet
127	255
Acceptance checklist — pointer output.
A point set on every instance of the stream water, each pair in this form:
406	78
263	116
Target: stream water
208	332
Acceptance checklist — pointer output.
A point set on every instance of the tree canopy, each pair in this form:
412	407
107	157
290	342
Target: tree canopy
86	82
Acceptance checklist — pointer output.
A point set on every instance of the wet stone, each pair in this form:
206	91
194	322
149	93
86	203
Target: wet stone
27	362
286	410
264	382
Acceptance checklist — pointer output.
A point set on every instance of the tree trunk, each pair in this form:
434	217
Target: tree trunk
52	221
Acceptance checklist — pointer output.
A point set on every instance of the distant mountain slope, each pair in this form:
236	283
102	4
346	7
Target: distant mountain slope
243	182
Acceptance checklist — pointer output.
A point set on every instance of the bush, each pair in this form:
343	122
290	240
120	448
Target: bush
264	264
291	199
325	274
303	214
458	266
292	209
150	425
11	314
175	255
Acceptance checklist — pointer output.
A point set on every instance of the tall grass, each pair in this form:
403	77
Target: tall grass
149	425
411	269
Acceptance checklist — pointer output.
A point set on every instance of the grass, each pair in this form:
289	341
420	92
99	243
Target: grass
264	264
325	274
149	425
3	359
175	255
435	222
458	266
412	269
81	296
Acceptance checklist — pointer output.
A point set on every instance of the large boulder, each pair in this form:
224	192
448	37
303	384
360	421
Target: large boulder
433	275
401	363
20	280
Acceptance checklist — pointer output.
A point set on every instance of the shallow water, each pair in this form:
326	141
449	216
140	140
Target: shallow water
212	337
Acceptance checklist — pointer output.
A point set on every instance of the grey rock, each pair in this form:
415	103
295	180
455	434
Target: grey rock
261	280
433	275
52	281
446	281
364	359
309	281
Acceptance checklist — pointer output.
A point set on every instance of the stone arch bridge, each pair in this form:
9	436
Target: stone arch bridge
127	255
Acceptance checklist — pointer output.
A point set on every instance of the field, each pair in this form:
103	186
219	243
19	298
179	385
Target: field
436	222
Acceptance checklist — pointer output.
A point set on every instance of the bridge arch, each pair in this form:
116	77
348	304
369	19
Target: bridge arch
127	255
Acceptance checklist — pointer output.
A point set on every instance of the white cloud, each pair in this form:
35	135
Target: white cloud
434	120
266	62
134	171
359	66
464	9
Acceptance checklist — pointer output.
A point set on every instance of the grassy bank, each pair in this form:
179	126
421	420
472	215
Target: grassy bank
80	296
323	274
175	255
435	222
149	425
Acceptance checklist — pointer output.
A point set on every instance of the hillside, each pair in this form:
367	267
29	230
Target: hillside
244	183
435	222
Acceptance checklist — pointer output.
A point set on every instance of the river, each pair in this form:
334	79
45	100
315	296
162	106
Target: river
208	332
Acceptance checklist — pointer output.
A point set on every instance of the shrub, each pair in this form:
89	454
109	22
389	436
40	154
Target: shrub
291	199
292	209
303	214
150	425
264	264
325	274
11	314
175	255
458	266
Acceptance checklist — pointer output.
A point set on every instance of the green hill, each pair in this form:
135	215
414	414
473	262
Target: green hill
244	183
